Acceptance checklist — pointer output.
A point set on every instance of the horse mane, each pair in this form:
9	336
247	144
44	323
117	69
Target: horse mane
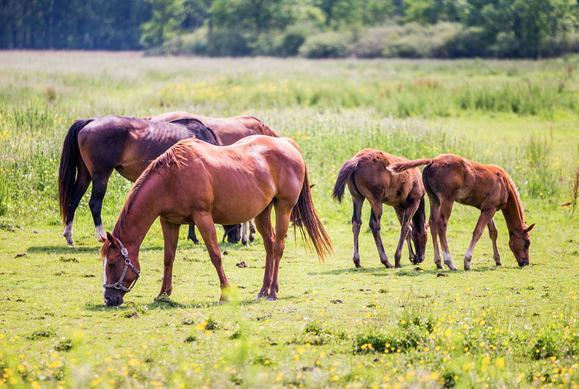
175	156
514	193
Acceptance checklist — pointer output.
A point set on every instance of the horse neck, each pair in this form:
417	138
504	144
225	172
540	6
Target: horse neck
513	210
138	214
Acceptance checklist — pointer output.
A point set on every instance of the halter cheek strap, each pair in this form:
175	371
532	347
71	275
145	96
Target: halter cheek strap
128	265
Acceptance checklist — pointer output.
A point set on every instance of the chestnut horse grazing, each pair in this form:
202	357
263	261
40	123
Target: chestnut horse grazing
197	182
368	178
449	178
93	148
228	131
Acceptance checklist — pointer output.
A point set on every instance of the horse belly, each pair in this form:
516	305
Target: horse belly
239	202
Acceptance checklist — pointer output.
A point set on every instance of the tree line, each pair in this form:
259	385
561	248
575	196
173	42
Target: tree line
310	28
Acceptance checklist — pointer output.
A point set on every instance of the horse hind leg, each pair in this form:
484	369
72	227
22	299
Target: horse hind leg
283	212
442	224
357	204
99	189
191	235
80	187
265	229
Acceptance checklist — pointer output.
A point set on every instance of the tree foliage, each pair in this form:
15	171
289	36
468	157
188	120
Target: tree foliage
501	28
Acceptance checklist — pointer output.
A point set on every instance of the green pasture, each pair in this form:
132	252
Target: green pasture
334	325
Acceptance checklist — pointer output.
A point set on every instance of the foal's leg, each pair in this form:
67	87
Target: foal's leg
80	187
375	217
99	188
191	234
356	225
406	219
445	211
283	212
170	237
204	223
263	225
493	233
433	222
484	219
411	253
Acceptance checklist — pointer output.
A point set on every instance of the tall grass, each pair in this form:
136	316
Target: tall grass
332	108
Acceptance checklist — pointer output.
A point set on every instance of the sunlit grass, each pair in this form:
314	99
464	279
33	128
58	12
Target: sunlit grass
333	326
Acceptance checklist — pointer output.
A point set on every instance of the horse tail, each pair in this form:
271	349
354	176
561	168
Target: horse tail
70	161
305	217
344	176
399	167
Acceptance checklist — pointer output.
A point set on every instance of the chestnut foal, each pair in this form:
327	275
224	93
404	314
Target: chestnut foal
205	184
449	178
368	178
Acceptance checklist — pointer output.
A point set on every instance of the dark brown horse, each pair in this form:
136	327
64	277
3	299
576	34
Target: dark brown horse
93	148
197	182
367	177
228	131
449	178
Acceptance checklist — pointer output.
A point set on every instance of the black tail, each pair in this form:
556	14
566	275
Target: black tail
69	166
305	217
344	176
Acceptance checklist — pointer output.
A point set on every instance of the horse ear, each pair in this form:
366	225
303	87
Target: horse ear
528	229
110	238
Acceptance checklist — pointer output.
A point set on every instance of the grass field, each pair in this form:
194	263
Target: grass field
333	325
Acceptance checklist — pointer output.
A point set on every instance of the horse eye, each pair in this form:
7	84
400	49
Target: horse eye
527	244
111	264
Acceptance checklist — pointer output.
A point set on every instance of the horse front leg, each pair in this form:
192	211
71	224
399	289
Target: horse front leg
485	217
204	222
375	217
493	233
170	237
99	189
407	215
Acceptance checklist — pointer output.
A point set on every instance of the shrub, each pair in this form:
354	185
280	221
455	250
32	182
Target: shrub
326	45
545	347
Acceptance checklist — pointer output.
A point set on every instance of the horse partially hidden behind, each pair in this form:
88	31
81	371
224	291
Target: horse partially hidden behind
367	177
201	183
449	178
228	131
93	148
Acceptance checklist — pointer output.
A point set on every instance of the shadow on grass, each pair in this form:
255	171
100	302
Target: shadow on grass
62	249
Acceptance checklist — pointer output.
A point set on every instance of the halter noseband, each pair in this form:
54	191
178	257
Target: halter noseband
128	265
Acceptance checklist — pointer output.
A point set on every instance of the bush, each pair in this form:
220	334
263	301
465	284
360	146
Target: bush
408	41
326	45
194	43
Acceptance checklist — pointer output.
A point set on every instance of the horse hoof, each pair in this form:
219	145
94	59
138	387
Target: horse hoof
261	294
271	297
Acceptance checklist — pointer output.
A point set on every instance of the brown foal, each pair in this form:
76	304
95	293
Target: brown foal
205	184
368	178
449	178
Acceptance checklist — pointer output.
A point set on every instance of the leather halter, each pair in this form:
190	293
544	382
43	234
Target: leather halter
128	265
